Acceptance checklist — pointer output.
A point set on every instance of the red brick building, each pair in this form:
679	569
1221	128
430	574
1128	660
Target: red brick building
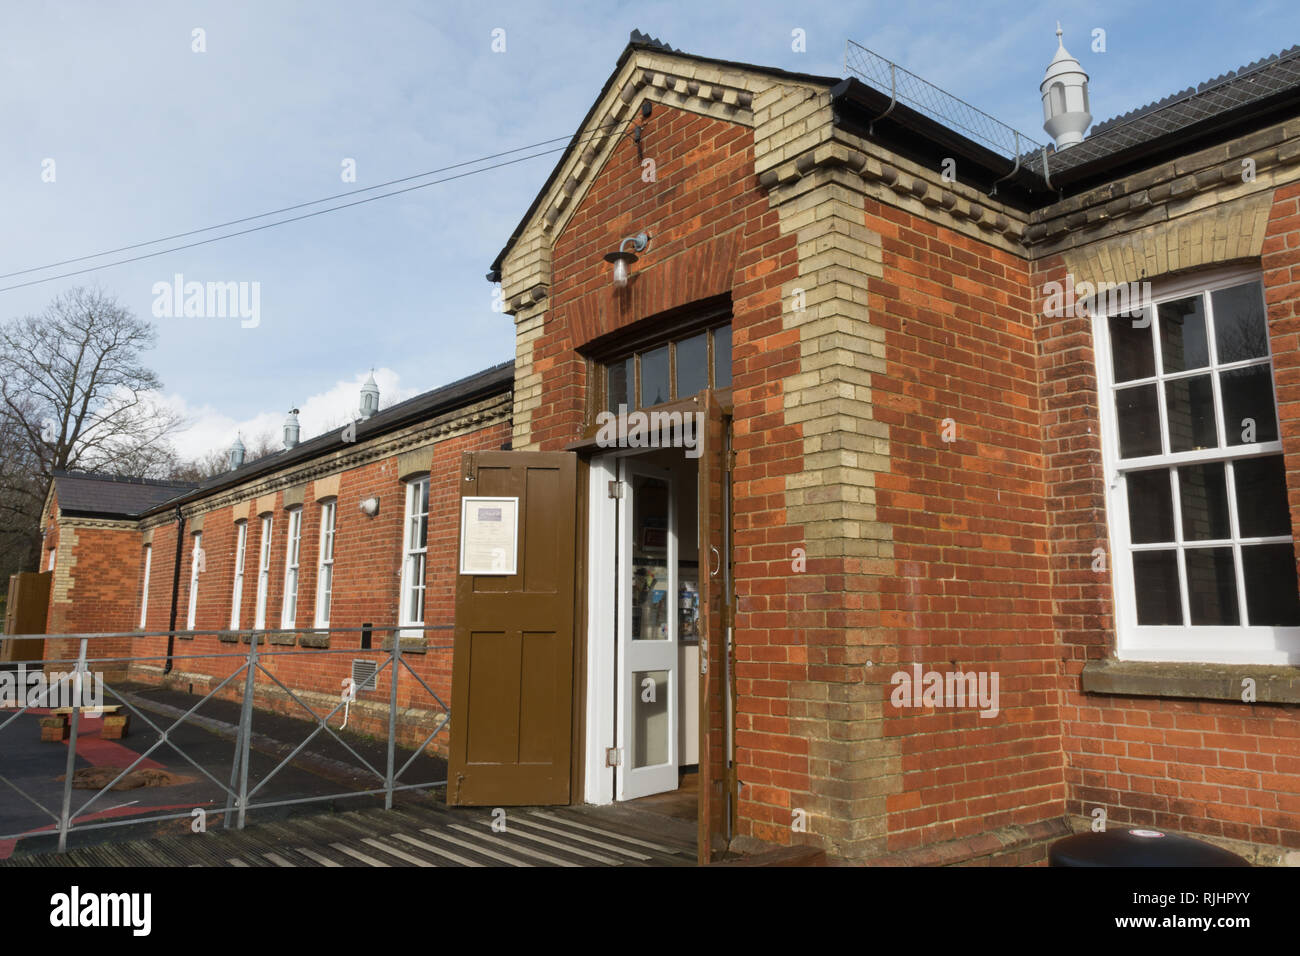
940	448
292	524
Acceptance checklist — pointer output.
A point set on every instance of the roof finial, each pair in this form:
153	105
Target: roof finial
1059	34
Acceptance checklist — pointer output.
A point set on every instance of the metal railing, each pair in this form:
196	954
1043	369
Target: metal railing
240	791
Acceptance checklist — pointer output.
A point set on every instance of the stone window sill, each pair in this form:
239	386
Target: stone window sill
1274	683
410	645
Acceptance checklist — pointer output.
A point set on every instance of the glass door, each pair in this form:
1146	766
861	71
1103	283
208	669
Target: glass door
647	632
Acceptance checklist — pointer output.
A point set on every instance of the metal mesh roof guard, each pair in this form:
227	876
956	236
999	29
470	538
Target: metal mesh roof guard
939	105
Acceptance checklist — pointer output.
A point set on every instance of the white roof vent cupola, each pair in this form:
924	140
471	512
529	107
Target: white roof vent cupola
237	454
291	429
369	397
1065	98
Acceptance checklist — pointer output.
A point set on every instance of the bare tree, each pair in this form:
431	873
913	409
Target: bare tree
263	445
22	493
75	395
215	462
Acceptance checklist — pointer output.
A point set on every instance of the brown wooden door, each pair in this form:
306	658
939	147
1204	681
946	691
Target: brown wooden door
25	612
513	663
715	614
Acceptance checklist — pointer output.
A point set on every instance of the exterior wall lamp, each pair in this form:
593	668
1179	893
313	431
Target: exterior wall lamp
370	507
622	258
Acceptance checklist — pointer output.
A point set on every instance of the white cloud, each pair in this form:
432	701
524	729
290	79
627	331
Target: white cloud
210	428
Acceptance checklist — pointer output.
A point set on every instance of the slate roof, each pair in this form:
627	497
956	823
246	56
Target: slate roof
86	494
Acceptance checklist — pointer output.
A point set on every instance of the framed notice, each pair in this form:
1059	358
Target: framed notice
489	535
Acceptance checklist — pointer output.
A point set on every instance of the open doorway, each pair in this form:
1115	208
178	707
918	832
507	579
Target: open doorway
643	628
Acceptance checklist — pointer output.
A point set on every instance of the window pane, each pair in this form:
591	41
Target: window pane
1203	491
327	532
1189	402
1131	350
722	357
651	601
693	365
323	593
619	382
1248	405
415	592
1262	508
1211	585
1183	345
1139	421
1239	328
1133	355
654	377
1150	507
1155	577
1271	597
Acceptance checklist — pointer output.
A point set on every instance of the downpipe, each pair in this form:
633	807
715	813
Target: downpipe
176	584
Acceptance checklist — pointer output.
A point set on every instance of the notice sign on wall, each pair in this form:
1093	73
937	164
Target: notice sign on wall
489	535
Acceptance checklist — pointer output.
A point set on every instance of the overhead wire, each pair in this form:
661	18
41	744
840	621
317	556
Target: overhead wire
574	139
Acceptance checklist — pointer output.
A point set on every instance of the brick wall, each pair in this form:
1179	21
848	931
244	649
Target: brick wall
783	620
971	589
706	211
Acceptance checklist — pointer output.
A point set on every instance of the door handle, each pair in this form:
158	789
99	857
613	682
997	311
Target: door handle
713	572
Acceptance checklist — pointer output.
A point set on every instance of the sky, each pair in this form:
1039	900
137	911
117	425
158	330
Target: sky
151	137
